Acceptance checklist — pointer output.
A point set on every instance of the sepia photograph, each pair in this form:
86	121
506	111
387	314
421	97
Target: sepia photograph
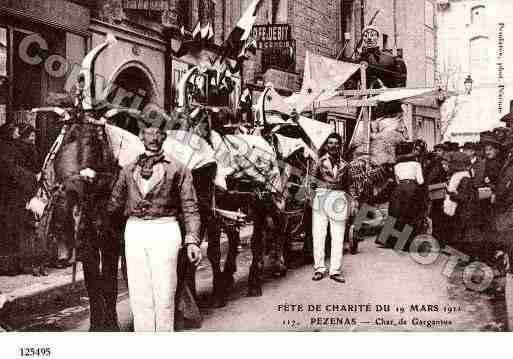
255	166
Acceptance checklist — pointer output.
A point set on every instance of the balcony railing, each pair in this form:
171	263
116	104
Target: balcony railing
147	5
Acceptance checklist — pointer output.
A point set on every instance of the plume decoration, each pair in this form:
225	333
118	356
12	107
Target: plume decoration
87	72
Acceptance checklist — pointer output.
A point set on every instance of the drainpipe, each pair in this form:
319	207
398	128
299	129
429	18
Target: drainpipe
394	10
223	34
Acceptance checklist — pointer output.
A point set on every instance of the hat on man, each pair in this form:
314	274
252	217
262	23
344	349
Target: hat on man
452	146
439	146
155	118
489	138
459	162
469	146
404	151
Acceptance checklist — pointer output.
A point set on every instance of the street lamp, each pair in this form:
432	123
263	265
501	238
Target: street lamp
468	85
440	98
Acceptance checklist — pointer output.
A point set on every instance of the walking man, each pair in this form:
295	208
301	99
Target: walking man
154	192
330	207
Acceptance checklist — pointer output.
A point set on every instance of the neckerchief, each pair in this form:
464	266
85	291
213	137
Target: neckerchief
146	162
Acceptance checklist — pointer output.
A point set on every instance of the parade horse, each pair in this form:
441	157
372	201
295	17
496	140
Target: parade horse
243	185
77	178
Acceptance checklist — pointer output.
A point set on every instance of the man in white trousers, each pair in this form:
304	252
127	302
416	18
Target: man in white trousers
153	191
330	206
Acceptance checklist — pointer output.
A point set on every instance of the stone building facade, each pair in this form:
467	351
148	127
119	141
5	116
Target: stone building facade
409	27
147	38
475	40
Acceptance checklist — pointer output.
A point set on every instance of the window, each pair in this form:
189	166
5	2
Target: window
479	59
430	44
3	51
3	72
184	13
429	14
477	14
206	10
430	73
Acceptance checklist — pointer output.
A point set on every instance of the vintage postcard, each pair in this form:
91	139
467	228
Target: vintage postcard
255	165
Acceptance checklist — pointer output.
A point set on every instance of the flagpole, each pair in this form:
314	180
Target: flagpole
363	77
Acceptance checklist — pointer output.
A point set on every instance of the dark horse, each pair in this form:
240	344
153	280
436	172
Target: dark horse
253	198
77	213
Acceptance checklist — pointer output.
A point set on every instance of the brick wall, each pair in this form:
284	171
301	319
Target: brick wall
315	26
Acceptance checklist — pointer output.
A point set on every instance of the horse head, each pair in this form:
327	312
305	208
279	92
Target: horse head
80	169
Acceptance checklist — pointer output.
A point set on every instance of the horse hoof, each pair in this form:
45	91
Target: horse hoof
255	292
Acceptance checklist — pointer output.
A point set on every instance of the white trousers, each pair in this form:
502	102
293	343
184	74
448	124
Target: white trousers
151	249
329	207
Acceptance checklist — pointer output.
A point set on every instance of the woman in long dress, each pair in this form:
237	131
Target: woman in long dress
404	203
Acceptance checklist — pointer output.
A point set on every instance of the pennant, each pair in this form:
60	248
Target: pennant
270	100
288	145
242	30
317	131
321	77
196	31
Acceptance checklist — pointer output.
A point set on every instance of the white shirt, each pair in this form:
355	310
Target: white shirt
410	170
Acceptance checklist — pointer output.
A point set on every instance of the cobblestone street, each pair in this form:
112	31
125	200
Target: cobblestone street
431	302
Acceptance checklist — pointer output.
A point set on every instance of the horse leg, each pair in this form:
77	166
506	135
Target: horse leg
257	265
230	266
214	256
109	284
93	283
278	242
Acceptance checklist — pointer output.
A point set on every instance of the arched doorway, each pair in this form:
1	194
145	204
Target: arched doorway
132	86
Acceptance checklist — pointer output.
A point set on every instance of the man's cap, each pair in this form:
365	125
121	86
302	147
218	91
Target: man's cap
439	146
453	146
489	138
404	148
469	146
372	27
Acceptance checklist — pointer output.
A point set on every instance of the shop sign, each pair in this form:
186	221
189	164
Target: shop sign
281	58
272	36
148	5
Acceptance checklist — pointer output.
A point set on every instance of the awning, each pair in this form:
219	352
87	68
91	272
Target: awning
403	94
386	96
